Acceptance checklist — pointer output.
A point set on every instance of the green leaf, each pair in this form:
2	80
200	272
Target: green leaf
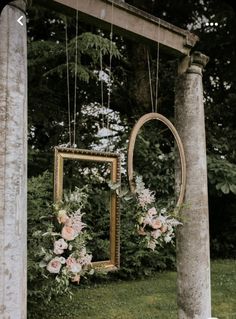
42	264
233	188
225	188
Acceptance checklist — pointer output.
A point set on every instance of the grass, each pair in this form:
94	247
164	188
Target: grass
223	285
152	298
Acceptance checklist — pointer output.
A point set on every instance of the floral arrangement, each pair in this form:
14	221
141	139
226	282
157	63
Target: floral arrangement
157	226
68	258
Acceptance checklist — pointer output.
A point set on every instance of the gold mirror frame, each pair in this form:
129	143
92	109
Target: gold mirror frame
86	155
146	118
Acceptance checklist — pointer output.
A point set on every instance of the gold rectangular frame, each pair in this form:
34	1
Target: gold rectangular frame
86	155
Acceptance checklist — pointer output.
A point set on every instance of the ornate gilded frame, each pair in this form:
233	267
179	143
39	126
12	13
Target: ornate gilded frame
86	155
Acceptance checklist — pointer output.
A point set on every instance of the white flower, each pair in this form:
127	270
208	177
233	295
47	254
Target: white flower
75	268
73	265
62	260
151	244
167	238
140	186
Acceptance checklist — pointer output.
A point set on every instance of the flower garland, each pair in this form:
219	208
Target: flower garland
156	227
68	258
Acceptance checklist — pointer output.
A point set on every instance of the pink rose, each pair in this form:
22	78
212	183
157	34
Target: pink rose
54	265
76	279
152	211
156	223
59	246
156	233
68	233
164	228
70	260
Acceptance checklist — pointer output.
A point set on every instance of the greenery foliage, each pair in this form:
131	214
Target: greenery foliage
136	259
222	174
39	198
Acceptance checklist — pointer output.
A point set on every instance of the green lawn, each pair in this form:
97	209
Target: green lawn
144	299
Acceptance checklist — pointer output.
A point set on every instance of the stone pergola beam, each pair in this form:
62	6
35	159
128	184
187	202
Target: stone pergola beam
130	21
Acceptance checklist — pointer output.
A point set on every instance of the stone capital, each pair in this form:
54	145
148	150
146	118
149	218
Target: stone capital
198	58
193	64
19	4
197	62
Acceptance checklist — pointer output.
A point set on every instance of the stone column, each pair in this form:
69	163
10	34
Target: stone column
13	162
193	257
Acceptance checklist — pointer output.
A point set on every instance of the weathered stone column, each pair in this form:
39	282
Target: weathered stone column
13	162
193	257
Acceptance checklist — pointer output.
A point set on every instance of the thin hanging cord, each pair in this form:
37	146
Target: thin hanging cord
68	83
110	60
76	71
150	80
102	95
157	68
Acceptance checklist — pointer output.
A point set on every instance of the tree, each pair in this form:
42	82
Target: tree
48	116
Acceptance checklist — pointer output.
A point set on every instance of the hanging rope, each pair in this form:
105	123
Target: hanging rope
152	95
150	80
76	72
157	67
102	87
68	83
109	72
110	59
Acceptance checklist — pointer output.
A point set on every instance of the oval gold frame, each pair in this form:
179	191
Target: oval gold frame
146	118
